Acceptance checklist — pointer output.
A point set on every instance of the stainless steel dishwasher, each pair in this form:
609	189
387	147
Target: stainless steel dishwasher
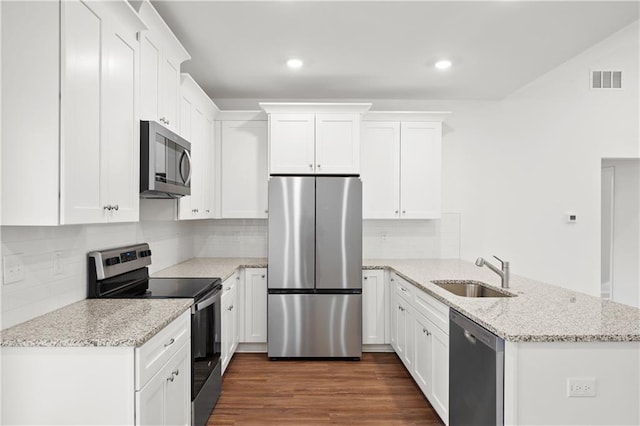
476	374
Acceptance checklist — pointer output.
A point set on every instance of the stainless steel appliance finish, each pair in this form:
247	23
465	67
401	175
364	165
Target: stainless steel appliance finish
291	232
165	162
315	325
315	267
338	233
122	273
468	288
476	374
503	273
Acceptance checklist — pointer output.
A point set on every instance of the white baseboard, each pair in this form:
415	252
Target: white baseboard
252	348
377	348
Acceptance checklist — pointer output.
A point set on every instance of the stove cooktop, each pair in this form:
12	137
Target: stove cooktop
181	287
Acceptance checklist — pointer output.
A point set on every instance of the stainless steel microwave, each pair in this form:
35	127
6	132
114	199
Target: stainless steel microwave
165	162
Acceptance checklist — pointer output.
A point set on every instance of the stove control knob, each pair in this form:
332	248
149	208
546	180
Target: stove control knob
145	253
112	261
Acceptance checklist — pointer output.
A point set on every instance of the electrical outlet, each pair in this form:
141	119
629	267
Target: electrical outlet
581	387
13	269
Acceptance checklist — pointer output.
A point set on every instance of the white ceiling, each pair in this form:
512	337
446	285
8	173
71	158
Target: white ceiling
383	50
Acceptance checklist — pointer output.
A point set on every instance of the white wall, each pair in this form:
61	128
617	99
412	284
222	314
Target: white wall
626	230
522	162
42	290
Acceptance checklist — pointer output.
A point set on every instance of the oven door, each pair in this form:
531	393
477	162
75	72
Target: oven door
205	354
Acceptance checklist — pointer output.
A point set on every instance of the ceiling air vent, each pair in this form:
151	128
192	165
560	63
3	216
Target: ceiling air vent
606	79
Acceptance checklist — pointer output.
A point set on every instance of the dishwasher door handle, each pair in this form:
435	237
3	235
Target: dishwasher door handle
470	337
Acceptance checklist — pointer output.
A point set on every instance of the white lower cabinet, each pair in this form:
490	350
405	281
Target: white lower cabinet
165	399
420	337
101	385
255	305
229	322
374	308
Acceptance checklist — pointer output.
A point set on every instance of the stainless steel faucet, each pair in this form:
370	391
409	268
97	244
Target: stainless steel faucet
504	273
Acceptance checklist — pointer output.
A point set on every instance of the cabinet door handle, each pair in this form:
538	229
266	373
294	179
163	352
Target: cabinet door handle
425	331
403	289
230	308
108	207
170	379
404	211
311	166
116	207
237	278
266	211
396	211
366	278
319	166
176	372
392	280
263	275
170	342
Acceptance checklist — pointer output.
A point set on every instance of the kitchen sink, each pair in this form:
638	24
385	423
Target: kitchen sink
468	288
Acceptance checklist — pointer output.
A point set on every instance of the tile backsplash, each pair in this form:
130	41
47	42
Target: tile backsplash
409	239
46	286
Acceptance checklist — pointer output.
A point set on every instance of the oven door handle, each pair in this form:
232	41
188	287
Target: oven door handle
215	296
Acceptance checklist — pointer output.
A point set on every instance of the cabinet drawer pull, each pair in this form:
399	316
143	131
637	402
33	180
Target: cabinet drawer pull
311	166
170	379
403	289
263	276
404	211
176	372
366	278
396	211
170	342
319	166
108	207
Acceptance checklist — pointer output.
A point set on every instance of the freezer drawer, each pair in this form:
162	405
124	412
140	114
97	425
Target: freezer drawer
315	325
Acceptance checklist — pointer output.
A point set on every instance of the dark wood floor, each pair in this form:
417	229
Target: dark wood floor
376	390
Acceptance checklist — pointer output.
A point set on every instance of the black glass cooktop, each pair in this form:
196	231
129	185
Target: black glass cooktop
181	287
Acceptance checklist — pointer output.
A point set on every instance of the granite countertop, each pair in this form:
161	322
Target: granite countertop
540	312
210	267
97	322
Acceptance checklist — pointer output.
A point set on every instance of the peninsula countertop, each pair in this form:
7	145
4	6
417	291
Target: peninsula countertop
540	312
97	322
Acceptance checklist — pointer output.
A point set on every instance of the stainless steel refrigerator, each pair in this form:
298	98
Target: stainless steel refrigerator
315	267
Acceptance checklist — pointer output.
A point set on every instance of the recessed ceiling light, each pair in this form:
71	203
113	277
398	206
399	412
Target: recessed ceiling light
295	63
443	64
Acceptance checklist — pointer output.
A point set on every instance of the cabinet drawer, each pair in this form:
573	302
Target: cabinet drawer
151	356
402	287
436	311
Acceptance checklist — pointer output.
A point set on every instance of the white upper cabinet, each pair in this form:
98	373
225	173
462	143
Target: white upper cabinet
243	169
420	171
314	138
197	114
337	143
160	59
292	148
401	166
380	169
80	164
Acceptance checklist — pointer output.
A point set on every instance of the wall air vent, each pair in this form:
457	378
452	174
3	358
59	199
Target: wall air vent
606	79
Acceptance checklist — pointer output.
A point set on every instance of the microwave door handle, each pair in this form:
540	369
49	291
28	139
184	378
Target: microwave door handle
185	153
